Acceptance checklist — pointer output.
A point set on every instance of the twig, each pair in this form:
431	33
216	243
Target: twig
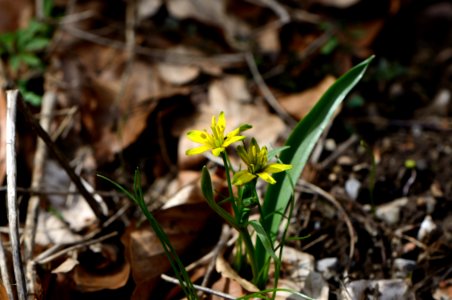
341	149
157	54
266	93
44	260
48	103
4	272
218	250
13	218
200	288
92	202
39	9
279	10
332	200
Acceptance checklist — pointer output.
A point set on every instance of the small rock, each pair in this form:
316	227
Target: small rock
403	267
345	160
316	287
390	212
427	227
384	289
352	186
327	266
330	145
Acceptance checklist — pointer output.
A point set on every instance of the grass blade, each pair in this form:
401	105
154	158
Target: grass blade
301	142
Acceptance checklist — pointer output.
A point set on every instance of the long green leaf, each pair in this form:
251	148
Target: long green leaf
301	142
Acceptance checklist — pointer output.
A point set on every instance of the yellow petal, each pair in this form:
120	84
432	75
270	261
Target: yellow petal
231	140
221	121
242	177
197	150
241	151
276	168
265	176
217	151
198	136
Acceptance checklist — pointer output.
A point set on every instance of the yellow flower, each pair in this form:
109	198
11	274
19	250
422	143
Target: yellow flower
256	160
217	141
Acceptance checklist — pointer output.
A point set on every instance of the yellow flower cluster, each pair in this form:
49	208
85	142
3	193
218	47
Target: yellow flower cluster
255	157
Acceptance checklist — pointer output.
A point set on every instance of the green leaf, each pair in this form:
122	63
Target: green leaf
276	151
31	60
302	141
14	62
207	191
264	238
7	42
37	44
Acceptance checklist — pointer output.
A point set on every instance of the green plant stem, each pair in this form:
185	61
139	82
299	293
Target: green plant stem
249	250
228	178
243	230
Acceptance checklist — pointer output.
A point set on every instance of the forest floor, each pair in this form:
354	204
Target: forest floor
120	83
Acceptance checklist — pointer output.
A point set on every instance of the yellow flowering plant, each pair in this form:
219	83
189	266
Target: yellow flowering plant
257	165
276	202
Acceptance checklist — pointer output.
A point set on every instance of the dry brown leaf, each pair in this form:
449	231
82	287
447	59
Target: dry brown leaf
15	14
67	266
225	269
299	105
114	104
228	286
3	294
89	282
230	95
211	12
177	74
143	248
147	8
268	39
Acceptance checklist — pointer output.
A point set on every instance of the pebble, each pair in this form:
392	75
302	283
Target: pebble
352	186
390	212
327	266
403	267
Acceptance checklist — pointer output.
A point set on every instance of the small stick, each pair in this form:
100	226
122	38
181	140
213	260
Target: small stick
341	210
4	272
266	93
77	246
200	288
48	102
62	160
13	218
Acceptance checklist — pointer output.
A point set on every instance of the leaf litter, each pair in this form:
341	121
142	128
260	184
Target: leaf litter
188	63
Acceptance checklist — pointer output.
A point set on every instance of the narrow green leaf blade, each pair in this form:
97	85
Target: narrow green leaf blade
302	141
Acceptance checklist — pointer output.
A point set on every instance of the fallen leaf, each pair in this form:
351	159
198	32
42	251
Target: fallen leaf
87	281
228	286
225	269
67	266
3	294
210	12
230	95
15	14
143	248
114	106
177	74
299	105
147	8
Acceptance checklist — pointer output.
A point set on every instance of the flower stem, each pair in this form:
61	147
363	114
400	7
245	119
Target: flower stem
228	178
